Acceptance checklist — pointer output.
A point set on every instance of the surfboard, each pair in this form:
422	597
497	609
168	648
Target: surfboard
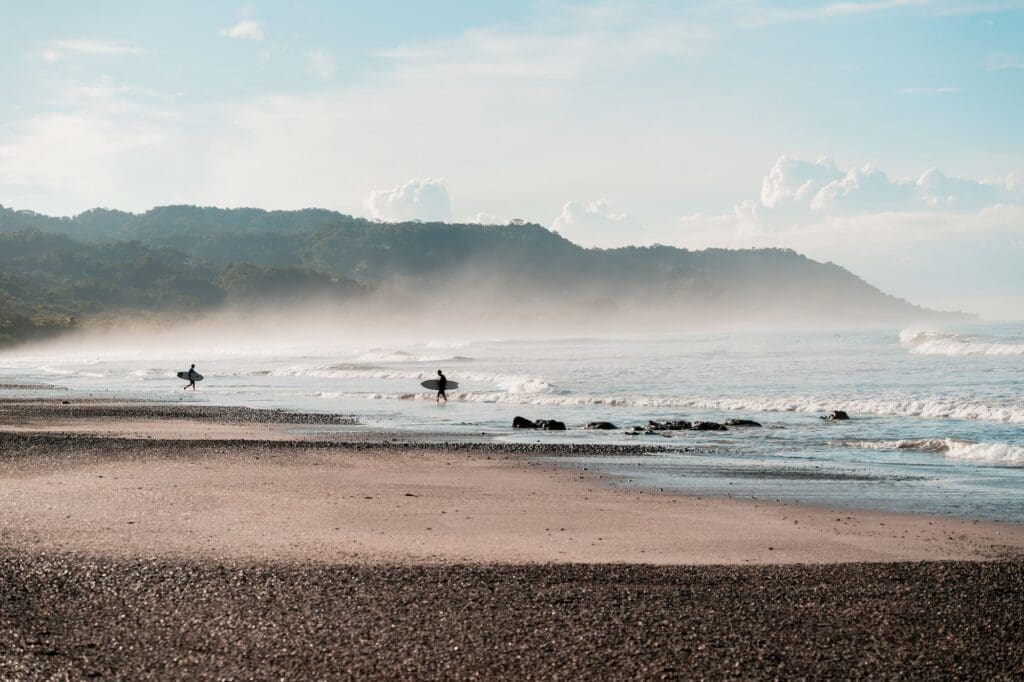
435	384
196	375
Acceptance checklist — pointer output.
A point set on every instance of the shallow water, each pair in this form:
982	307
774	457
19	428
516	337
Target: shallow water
937	415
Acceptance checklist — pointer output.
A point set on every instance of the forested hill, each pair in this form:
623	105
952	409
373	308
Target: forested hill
55	271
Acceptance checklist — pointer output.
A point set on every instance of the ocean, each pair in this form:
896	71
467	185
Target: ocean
937	414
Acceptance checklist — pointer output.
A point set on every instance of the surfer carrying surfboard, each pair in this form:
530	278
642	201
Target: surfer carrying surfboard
192	374
442	386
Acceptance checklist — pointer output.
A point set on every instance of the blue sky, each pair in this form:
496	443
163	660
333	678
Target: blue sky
885	135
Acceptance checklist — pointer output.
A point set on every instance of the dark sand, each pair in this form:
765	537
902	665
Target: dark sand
63	617
193	543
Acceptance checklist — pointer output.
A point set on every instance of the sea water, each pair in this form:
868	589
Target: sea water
937	415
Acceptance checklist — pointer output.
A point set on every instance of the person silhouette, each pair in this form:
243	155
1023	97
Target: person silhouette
191	378
442	386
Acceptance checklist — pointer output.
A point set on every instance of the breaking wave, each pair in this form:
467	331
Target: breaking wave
394	356
70	373
922	342
907	407
152	373
995	453
508	383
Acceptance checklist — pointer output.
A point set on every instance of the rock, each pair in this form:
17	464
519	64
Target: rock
639	431
550	425
676	425
836	416
522	423
741	422
601	426
708	426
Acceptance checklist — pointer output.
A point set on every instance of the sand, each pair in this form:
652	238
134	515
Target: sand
259	545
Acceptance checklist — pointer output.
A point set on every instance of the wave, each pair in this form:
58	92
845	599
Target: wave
399	356
996	453
921	342
71	373
907	407
509	383
152	373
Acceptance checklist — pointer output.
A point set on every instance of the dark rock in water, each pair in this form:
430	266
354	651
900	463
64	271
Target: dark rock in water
837	416
672	425
550	425
601	426
522	423
741	422
708	426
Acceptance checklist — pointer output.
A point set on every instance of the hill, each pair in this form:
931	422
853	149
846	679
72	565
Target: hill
54	272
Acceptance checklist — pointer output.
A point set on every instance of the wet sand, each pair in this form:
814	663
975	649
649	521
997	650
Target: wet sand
182	520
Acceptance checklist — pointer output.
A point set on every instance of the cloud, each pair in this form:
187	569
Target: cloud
102	144
757	15
82	154
799	192
864	190
592	224
945	90
569	42
320	64
245	29
794	180
1003	62
418	199
58	49
936	238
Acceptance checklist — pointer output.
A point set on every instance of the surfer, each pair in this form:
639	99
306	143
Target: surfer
442	385
192	374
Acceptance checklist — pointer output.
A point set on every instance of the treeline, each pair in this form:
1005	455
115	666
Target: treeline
50	282
55	271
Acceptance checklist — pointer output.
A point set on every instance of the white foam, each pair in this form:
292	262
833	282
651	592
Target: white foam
399	356
56	371
996	453
152	373
509	383
929	408
923	342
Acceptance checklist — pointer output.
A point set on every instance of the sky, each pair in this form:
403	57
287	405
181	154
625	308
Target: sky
884	135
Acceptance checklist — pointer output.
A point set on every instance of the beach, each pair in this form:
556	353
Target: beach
301	546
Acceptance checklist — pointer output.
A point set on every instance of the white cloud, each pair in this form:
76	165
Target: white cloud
103	144
937	239
794	180
799	192
245	29
758	15
944	90
592	224
1003	61
864	190
81	153
570	41
418	199
320	64
58	49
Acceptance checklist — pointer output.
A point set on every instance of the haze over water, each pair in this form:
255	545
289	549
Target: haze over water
937	415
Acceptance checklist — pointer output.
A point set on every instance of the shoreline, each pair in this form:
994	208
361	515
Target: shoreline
187	546
194	484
